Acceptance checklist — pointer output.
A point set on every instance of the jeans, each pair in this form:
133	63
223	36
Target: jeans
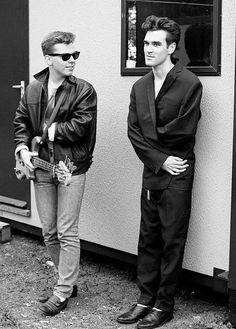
59	207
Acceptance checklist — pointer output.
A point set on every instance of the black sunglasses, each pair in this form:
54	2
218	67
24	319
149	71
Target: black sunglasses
67	56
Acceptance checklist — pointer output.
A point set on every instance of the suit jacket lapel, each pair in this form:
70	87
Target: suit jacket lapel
166	85
170	78
151	98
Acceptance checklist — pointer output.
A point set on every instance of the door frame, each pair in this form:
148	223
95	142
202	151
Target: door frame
232	253
9	201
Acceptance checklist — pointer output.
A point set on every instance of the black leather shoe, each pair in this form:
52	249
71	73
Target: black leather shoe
134	314
155	319
53	306
43	298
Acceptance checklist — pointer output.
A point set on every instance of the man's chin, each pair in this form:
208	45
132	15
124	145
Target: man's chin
147	63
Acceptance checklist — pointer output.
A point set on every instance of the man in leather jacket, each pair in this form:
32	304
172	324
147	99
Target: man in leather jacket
69	139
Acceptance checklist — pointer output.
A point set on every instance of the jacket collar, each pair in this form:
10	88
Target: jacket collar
42	76
170	78
151	96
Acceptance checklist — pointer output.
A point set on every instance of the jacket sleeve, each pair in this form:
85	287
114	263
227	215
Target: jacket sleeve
150	156
83	116
22	134
182	129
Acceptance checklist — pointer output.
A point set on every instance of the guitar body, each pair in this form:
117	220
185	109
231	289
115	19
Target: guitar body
22	172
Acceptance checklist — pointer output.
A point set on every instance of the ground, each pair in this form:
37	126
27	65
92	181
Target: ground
105	291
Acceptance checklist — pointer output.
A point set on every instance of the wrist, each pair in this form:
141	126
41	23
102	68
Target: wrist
19	149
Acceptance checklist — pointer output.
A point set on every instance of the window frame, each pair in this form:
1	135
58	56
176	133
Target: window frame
209	70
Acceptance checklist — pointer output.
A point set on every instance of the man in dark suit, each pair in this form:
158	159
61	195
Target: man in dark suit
162	122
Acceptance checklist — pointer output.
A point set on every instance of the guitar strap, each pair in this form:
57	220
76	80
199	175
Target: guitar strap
53	115
49	122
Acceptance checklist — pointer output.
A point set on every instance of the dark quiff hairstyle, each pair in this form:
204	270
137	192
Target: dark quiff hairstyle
154	23
54	38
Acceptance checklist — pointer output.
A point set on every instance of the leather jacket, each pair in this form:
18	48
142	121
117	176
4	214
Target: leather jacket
75	131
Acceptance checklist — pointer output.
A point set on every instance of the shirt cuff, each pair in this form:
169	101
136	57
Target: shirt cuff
19	148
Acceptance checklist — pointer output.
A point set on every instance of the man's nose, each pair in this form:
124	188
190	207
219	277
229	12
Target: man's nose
149	48
71	59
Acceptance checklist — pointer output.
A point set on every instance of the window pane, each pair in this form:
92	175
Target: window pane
196	19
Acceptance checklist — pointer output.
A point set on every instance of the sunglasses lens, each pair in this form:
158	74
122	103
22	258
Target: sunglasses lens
76	55
65	57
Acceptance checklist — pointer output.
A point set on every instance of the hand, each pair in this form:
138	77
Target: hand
175	165
26	156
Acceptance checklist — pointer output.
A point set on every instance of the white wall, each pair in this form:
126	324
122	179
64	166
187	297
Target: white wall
209	234
110	212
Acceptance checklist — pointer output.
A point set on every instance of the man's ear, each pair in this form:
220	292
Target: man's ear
172	48
48	60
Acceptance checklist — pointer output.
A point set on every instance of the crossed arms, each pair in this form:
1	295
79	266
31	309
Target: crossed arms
176	133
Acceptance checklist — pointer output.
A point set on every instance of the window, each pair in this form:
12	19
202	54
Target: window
200	22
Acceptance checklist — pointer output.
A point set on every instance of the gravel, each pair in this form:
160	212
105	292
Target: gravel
106	289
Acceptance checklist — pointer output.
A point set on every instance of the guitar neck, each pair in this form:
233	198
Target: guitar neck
42	164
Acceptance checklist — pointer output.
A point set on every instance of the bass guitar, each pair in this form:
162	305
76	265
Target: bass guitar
62	171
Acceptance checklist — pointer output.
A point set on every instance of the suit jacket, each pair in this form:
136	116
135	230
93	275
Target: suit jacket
158	128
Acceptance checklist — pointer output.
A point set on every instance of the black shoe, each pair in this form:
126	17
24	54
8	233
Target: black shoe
53	306
43	298
155	319
134	314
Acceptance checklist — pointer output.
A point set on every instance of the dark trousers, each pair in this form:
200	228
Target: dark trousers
163	231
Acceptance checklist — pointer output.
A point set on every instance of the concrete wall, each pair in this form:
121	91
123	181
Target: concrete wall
110	213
